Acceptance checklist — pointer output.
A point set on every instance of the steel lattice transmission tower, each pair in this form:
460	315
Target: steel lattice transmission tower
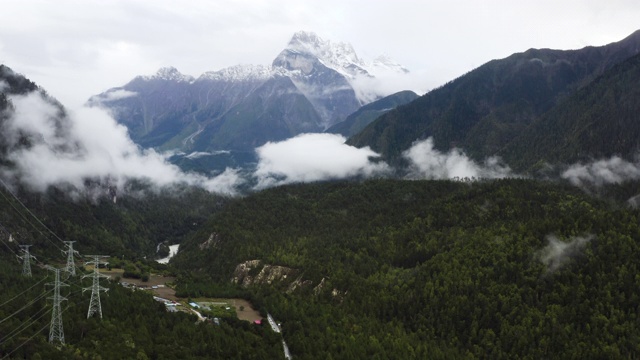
56	332
94	305
26	260
71	266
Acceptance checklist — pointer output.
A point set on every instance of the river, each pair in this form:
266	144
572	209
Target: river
173	250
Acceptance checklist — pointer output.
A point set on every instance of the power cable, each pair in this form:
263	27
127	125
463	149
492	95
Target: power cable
26	306
31	287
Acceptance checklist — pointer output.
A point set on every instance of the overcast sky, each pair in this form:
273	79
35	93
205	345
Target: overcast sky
78	48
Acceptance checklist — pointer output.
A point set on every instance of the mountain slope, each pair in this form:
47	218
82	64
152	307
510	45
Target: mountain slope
310	86
83	211
487	108
357	121
274	111
14	137
422	269
600	120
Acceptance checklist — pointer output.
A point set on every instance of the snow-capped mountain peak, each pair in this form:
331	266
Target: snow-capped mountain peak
385	62
337	56
169	73
242	73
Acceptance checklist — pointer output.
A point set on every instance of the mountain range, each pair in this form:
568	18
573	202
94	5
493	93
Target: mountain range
539	106
536	108
311	85
379	268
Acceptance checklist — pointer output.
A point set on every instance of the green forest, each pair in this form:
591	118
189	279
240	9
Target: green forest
438	269
384	269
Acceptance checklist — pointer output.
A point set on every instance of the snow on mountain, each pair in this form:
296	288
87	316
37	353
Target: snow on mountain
370	80
385	63
340	56
243	73
169	73
298	59
337	56
311	85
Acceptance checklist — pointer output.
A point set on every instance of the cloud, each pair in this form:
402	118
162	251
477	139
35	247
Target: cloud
199	154
387	82
607	171
634	201
114	94
313	157
558	253
427	163
86	145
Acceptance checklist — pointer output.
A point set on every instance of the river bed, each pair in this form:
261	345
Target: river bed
173	250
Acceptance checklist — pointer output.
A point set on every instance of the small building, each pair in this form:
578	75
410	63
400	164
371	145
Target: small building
194	305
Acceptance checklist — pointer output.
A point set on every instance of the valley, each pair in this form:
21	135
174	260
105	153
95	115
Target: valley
163	287
494	217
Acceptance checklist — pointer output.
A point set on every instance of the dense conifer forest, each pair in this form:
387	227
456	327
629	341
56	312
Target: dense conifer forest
384	269
437	269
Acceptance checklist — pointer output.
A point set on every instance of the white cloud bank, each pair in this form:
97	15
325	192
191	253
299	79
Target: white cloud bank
387	82
113	95
425	162
88	144
607	171
313	157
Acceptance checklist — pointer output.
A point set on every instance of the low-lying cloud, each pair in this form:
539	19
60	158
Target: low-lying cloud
558	253
425	162
86	144
602	172
384	83
199	154
314	157
113	95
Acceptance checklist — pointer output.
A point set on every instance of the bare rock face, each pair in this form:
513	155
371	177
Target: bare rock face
253	272
299	282
211	242
318	289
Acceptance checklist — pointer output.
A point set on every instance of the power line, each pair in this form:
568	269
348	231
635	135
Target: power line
56	331
95	306
31	287
26	341
34	226
24	325
71	267
7	245
29	211
25	306
26	260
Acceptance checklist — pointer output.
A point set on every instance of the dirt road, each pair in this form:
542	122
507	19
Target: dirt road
244	309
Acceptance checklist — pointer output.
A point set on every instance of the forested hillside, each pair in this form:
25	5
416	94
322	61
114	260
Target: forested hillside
364	116
132	227
436	269
489	107
134	326
599	121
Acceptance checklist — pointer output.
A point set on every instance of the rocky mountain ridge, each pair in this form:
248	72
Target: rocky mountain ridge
487	110
308	88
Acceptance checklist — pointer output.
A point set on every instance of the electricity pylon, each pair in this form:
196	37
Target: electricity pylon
95	305
56	332
26	260
71	266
